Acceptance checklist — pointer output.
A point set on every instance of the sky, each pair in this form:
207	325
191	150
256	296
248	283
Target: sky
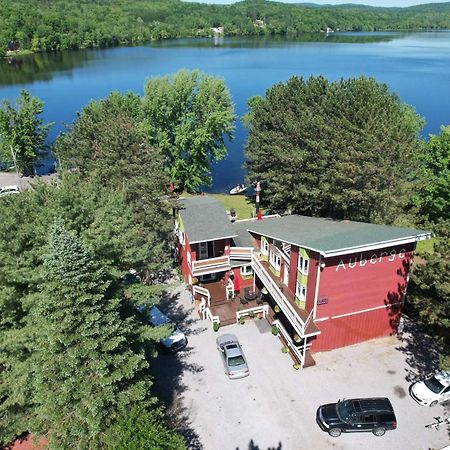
338	2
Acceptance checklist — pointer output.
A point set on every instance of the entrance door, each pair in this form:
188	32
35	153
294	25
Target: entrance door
203	250
286	275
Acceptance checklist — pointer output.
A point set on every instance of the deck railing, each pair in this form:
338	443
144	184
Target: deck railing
264	309
203	292
300	355
210	265
279	297
241	253
208	315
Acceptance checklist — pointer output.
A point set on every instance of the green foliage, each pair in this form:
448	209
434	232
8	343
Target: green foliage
141	429
275	330
188	115
216	326
69	24
429	290
344	149
22	131
107	148
85	360
433	197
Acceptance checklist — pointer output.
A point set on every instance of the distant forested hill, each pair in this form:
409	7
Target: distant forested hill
43	25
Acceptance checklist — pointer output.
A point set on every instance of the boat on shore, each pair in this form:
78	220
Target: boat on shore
239	189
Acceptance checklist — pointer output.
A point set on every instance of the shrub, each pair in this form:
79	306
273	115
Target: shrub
251	314
284	349
216	326
274	330
297	338
296	366
241	320
276	309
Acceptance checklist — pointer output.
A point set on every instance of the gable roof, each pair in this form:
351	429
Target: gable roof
204	219
333	237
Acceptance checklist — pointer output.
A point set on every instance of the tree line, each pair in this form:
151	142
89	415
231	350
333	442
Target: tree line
66	24
70	334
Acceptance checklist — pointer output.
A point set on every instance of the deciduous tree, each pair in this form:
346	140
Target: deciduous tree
22	131
188	115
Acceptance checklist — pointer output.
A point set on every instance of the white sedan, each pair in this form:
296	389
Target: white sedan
432	390
7	190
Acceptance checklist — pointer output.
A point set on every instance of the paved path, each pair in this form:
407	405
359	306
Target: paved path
274	408
11	179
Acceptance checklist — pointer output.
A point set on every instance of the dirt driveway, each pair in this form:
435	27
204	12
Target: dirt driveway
274	408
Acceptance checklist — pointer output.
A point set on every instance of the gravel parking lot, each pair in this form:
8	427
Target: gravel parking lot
274	408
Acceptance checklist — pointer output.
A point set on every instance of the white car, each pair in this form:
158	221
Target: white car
432	390
177	340
233	357
7	190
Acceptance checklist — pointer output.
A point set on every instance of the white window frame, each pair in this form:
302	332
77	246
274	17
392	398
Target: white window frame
303	265
246	271
275	260
300	291
264	247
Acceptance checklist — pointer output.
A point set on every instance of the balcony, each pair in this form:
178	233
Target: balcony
210	265
300	319
241	253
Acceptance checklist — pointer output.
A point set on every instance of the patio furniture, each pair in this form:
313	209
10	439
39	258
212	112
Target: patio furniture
250	294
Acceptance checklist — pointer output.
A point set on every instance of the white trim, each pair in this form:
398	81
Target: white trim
316	294
246	274
358	312
214	239
345	251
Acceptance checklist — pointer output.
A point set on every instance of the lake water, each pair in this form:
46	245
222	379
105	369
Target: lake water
415	65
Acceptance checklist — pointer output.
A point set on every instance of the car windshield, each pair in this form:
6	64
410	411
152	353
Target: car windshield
345	410
434	385
236	361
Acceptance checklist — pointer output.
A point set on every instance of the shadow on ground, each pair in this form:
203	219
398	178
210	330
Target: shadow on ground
253	446
422	353
167	370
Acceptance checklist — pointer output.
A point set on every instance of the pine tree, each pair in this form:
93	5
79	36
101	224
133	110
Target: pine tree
88	367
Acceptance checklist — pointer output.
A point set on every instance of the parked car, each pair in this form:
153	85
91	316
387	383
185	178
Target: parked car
177	340
374	415
432	390
232	356
7	190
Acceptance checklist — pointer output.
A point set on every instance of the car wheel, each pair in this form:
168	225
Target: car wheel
379	431
335	432
434	403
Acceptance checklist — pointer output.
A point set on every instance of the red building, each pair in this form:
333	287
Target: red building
324	283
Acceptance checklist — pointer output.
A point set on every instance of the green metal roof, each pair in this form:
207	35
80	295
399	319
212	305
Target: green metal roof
204	219
328	236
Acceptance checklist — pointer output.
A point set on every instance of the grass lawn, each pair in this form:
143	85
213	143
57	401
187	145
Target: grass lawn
241	204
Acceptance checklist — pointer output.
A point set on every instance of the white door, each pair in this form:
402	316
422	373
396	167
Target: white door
202	250
286	275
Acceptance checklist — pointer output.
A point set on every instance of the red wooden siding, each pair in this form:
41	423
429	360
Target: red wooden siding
377	279
293	267
312	278
349	330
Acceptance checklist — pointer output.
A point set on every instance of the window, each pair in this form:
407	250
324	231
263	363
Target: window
300	291
303	265
369	418
264	246
275	261
246	271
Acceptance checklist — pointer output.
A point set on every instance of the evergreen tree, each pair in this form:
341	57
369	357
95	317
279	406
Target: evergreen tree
344	149
140	429
22	132
88	367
